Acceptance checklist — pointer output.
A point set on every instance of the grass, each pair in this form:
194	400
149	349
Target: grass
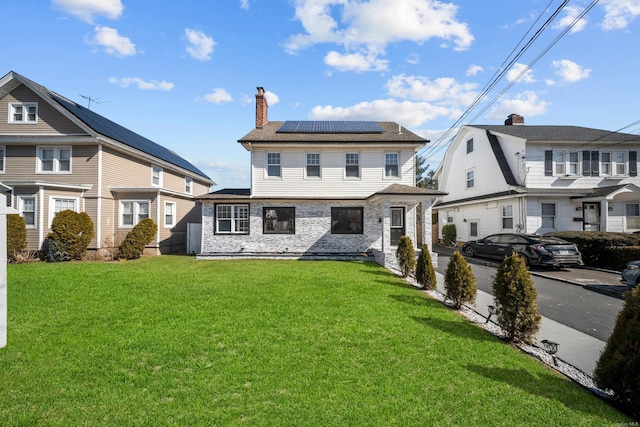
173	341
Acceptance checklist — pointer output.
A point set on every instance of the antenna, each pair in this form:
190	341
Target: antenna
92	99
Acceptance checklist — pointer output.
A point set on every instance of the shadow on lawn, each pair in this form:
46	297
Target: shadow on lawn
457	329
545	385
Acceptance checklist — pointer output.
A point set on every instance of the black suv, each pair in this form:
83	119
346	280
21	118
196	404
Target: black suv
536	250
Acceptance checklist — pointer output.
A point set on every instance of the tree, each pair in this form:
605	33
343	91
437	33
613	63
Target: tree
459	282
516	300
424	175
406	256
425	273
618	368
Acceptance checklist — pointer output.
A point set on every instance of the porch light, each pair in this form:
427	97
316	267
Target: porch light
491	309
551	347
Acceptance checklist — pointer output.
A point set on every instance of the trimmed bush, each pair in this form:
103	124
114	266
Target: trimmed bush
516	300
596	246
459	281
16	236
72	231
425	273
406	256
137	239
618	368
449	234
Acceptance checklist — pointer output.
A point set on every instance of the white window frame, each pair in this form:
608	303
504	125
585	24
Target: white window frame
505	215
56	161
559	162
188	185
239	217
606	166
352	160
3	157
156	175
52	206
470	179
25	114
315	156
619	166
566	163
172	223
573	167
555	216
135	212
21	200
396	164
274	165
470	145
477	223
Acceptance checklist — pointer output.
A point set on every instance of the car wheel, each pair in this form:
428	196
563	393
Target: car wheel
468	251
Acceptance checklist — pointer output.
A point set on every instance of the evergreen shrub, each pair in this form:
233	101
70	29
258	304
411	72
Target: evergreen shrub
72	231
596	246
406	256
425	273
449	234
137	239
516	300
459	281
16	236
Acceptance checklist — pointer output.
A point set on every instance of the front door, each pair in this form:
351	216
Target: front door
397	225
591	216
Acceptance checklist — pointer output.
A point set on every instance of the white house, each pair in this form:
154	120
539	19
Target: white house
539	179
320	189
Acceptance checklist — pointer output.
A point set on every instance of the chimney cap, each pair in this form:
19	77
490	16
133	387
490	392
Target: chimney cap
260	90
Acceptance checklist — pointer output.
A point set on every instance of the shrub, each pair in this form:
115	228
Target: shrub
516	300
618	368
459	282
596	246
406	256
138	238
16	236
425	274
449	234
72	231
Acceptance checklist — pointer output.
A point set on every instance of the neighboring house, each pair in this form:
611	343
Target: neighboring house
320	189
57	155
539	179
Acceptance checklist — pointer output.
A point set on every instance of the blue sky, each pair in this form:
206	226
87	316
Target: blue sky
184	74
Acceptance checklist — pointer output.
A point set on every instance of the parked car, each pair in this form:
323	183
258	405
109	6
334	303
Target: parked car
631	274
536	250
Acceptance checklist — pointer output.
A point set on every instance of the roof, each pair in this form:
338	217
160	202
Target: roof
392	132
560	133
108	128
502	160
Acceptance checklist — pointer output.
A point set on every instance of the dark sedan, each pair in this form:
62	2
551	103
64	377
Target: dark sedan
536	250
631	274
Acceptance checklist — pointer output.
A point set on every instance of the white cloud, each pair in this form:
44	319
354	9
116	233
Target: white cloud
200	45
619	13
473	70
244	4
570	14
518	69
413	59
142	84
569	71
218	96
113	43
355	62
86	10
226	175
407	113
526	104
272	98
443	90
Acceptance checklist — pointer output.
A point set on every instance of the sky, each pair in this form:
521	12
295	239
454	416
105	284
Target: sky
184	74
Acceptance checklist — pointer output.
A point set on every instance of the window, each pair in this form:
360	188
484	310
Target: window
469	145
169	214
156	176
273	164
566	163
397	225
278	220
133	211
27	208
232	219
574	163
57	204
313	164
558	158
54	159
2	153
352	165
391	165
590	163
507	216
471	179
23	113
449	216
188	185
346	220
473	229
605	163
633	215
619	163
548	215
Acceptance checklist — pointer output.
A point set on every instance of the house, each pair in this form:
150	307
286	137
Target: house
320	189
539	179
57	155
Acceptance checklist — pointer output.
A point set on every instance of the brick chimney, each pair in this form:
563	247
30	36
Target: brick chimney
261	108
514	119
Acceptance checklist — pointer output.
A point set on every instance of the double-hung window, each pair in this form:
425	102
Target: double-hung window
278	220
620	164
59	204
54	159
352	165
232	219
347	220
605	163
27	208
23	112
469	145
558	160
471	179
273	165
156	176
313	164
169	214
188	185
391	165
507	216
133	211
632	211
548	215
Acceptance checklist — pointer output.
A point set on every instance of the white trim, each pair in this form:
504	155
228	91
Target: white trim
306	165
55	160
466	179
174	214
25	114
188	188
155	168
135	212
53	198
384	166
344	168
20	202
99	201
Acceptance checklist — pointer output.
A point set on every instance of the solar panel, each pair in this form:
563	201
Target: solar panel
300	126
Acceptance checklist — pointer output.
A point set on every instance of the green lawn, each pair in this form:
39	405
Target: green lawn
173	341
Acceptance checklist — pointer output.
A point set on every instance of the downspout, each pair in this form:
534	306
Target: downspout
99	201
